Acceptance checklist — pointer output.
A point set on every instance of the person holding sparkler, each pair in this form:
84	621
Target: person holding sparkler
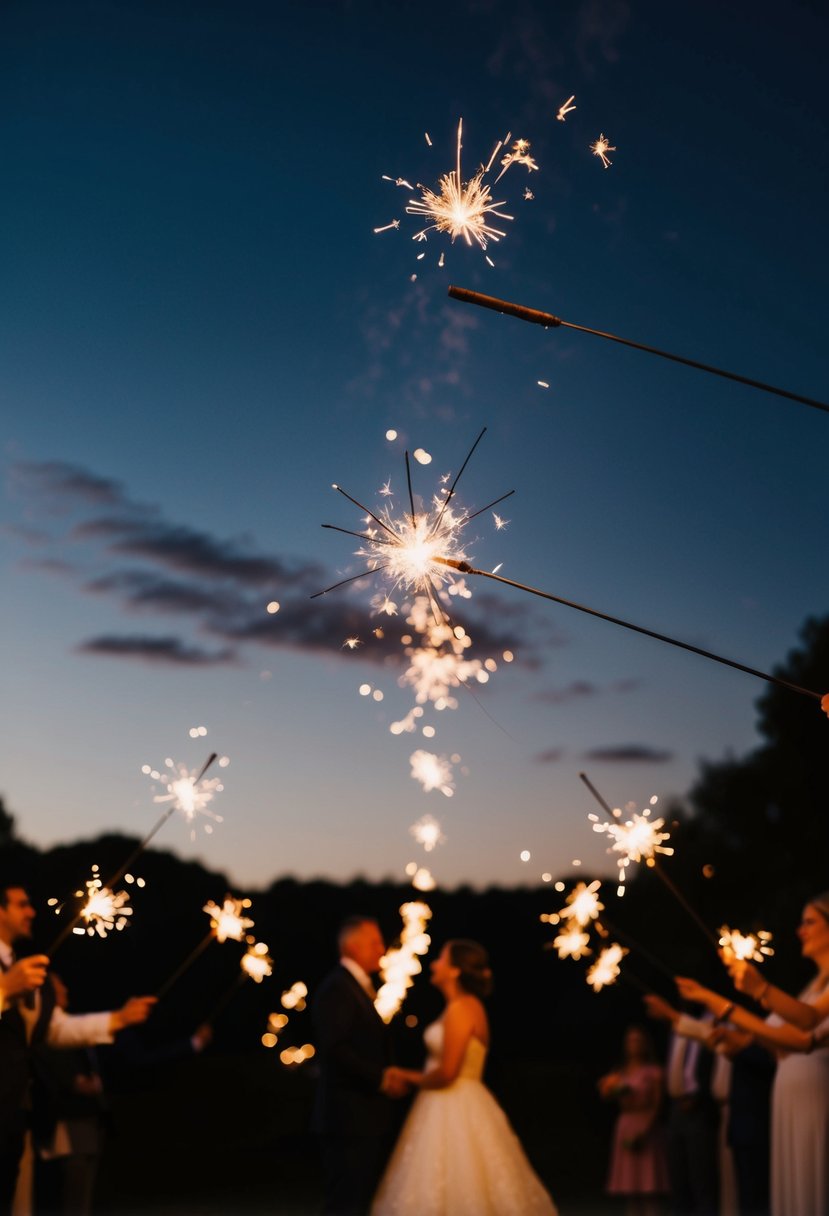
638	1167
29	1015
797	1032
457	1155
353	1113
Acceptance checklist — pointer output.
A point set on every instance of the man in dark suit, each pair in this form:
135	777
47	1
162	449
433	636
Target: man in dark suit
28	1016
357	1081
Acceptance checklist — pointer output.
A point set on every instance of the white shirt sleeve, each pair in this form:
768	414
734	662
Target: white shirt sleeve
692	1028
78	1029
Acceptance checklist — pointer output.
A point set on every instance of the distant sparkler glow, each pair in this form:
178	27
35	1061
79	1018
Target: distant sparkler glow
427	831
187	792
228	921
606	969
753	947
582	904
256	962
433	772
572	942
399	965
634	839
600	148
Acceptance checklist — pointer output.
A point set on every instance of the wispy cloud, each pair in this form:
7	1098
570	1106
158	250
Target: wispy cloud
579	690
148	649
550	756
629	753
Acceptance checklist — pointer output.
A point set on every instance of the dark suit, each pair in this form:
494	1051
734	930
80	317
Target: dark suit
351	1114
749	1127
14	1085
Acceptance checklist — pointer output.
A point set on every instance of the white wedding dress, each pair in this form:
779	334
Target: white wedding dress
457	1154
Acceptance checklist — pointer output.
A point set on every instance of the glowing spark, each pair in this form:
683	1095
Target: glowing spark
399	965
428	140
104	910
438	664
398	181
186	794
572	942
500	523
433	772
442	260
351	643
388	227
228	921
422	456
542	384
256	963
427	831
518	156
294	997
601	147
385	489
582	904
635	839
753	947
606	968
566	108
528	194
459	209
391	435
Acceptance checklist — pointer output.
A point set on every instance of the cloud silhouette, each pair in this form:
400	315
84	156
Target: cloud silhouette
168	650
629	753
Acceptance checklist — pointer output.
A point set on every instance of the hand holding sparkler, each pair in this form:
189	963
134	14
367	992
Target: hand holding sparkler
747	978
132	1013
23	976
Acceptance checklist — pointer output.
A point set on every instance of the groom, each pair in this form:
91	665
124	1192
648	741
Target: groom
353	1113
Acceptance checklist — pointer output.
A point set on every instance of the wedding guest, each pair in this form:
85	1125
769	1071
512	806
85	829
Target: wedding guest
29	1015
457	1155
693	1119
797	1031
638	1168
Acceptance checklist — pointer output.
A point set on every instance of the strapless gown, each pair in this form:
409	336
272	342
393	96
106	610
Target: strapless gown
457	1154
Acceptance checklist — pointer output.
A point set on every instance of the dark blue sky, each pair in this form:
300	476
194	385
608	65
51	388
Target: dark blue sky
200	332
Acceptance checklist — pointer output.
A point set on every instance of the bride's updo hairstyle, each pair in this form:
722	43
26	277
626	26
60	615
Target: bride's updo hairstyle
473	963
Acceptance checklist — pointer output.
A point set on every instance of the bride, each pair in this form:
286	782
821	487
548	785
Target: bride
457	1154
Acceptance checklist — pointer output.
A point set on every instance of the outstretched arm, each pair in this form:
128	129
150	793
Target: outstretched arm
749	980
775	1038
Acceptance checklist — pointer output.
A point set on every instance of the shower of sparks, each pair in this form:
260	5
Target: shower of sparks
461	208
606	969
753	947
601	148
228	921
566	108
427	831
256	962
104	910
433	772
399	965
582	904
186	794
388	227
635	839
572	942
439	664
518	156
500	523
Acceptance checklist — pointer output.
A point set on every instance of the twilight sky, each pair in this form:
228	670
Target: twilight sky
200	332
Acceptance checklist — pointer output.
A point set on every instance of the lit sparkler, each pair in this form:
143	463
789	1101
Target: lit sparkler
572	942
600	148
294	997
634	839
423	879
189	792
583	904
256	963
752	947
460	208
432	771
566	108
104	910
606	969
228	921
427	831
399	965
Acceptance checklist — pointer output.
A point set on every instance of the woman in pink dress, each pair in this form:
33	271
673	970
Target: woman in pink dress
638	1169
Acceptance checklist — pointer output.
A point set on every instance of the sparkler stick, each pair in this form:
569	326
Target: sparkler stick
184	966
654	864
465	568
225	922
550	321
